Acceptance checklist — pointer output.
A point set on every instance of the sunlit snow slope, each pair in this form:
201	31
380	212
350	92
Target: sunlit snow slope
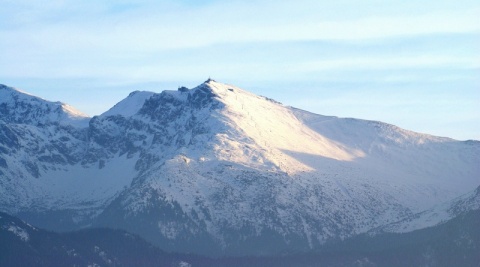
216	169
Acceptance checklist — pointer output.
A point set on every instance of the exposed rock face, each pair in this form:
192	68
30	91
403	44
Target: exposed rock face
218	170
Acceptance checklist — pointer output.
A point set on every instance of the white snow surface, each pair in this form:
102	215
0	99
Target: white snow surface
184	264
369	173
130	105
438	214
250	158
20	232
26	108
72	187
418	170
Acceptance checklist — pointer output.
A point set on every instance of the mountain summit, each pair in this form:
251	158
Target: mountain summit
19	107
218	170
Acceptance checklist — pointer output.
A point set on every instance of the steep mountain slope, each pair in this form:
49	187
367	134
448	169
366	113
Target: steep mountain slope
130	105
408	164
19	107
218	170
46	161
438	214
286	180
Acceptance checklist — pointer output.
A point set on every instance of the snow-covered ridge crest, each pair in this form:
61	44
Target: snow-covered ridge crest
130	105
269	131
135	101
17	106
276	131
221	164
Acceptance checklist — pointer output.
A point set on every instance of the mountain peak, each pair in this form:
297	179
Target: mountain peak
130	105
257	131
221	164
17	106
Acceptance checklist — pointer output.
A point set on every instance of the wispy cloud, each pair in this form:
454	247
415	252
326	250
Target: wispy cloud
304	44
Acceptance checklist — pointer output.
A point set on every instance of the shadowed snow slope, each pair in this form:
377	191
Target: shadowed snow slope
218	170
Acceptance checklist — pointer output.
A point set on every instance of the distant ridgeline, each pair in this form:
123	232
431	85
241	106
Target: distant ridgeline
455	243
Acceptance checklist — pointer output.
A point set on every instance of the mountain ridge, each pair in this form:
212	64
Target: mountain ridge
227	168
455	242
12	99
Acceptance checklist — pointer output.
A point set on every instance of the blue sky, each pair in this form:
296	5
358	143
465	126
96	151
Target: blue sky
415	64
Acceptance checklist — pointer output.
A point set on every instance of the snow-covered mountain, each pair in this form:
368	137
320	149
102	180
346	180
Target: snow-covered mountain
440	213
22	108
216	169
